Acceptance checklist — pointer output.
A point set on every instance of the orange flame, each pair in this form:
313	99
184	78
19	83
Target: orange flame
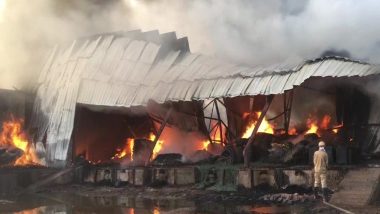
265	127
158	147
312	125
13	136
126	150
205	145
156	210
336	128
313	129
325	122
215	135
292	131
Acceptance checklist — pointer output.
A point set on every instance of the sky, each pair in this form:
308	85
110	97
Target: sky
251	32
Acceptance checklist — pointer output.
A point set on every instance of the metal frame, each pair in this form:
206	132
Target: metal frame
219	122
288	103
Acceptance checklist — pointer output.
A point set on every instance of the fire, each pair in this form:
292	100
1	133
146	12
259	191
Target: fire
131	143
314	126
157	147
215	135
336	128
265	126
156	210
13	136
205	144
313	129
292	131
326	122
126	150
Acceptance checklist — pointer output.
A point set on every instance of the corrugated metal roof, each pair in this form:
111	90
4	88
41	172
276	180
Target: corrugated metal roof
127	69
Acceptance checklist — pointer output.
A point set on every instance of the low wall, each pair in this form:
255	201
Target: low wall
140	176
249	178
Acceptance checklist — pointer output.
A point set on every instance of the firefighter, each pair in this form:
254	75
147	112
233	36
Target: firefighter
320	170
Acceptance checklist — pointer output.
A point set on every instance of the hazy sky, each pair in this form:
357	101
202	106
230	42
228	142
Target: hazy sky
244	31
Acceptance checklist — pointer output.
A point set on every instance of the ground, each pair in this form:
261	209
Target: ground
102	199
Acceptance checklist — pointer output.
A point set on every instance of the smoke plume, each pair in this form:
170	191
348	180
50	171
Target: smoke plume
243	31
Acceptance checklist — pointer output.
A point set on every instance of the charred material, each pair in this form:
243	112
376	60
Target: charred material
171	159
8	156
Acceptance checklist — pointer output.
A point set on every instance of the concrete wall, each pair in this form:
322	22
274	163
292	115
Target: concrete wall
249	178
176	176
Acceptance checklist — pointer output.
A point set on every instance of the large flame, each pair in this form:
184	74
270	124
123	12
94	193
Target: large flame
215	135
265	126
126	150
157	148
315	126
156	210
312	127
12	136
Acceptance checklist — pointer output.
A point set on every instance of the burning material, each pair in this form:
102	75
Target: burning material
156	210
292	131
316	127
265	126
215	135
336	128
158	147
127	150
312	128
205	145
13	137
171	141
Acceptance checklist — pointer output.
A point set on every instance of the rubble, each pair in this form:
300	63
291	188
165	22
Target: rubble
285	198
9	155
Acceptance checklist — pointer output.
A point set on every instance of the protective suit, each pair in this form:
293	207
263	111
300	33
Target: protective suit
320	170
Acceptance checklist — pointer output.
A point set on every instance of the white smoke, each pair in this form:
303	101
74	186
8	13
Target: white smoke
29	29
243	31
263	32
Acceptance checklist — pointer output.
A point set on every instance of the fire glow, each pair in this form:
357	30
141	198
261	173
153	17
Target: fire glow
126	150
215	135
12	136
157	148
314	127
265	126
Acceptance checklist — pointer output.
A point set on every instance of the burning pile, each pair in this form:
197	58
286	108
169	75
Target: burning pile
172	141
265	126
313	126
14	146
127	152
216	137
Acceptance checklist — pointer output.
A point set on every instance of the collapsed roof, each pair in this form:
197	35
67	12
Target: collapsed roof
127	69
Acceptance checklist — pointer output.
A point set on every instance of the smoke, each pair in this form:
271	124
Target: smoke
264	32
28	30
243	31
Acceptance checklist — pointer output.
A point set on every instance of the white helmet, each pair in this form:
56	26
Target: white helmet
321	144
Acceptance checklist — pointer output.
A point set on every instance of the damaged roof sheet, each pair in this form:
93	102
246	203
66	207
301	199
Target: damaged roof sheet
129	68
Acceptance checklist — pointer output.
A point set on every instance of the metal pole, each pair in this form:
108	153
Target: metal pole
159	132
248	148
219	123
